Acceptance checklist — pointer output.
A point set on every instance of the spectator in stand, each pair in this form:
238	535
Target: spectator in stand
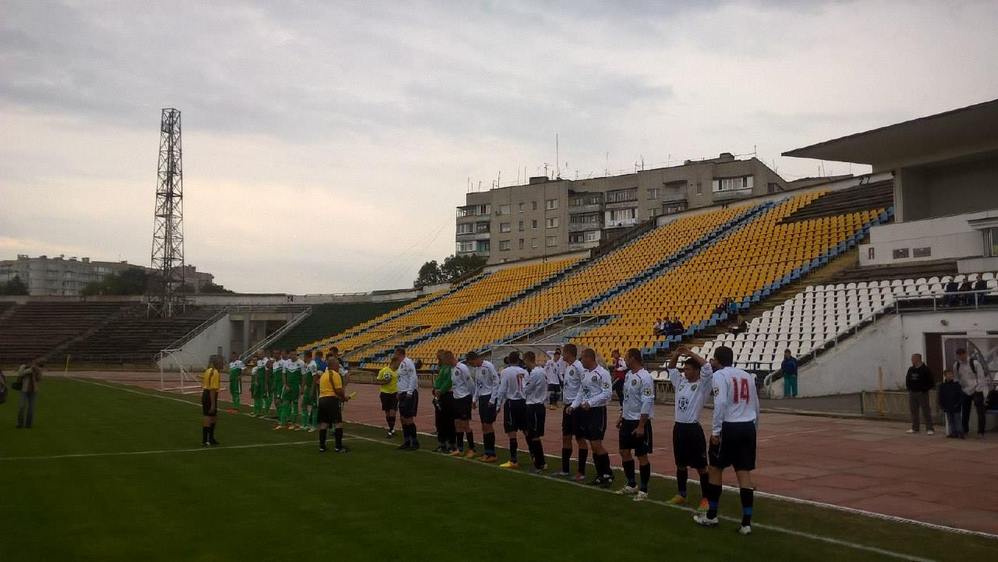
950	401
618	370
967	293
657	327
974	382
980	292
952	298
919	382
677	328
26	381
789	369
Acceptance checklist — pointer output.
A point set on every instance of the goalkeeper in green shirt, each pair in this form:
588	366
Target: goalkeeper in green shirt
443	405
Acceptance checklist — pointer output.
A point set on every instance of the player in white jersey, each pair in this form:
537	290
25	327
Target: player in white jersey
570	419
535	392
732	436
486	384
463	389
408	384
692	385
554	370
637	408
236	368
509	398
590	405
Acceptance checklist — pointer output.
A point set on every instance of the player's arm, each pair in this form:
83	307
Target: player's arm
720	387
339	390
605	391
500	394
577	401
647	405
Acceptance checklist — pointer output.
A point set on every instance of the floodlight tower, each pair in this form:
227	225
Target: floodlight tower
168	222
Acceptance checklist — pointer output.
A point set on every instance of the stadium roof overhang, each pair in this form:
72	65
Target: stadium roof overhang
952	134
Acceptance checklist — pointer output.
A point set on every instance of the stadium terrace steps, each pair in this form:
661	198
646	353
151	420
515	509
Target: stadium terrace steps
864	197
35	328
329	318
548	273
936	268
593	278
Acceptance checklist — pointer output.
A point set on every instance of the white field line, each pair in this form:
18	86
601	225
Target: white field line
693	481
152	452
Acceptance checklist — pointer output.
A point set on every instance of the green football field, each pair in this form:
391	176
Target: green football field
117	473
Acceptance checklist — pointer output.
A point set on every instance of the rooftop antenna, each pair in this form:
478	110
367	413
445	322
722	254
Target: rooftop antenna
557	158
606	169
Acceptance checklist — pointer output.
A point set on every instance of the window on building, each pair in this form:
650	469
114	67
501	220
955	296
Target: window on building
584	218
653	193
533	242
505	227
504	245
503	209
991	242
533	205
551	204
551	222
699	188
618	215
621	195
552	241
483	246
463	247
900	253
520	206
653	212
482	227
519	226
721	185
533	223
592	235
585	199
922	252
520	245
466	228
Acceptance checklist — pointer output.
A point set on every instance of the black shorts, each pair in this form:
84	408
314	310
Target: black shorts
461	408
206	408
689	448
569	423
330	410
514	416
592	423
486	411
536	415
737	448
642	446
408	405
389	401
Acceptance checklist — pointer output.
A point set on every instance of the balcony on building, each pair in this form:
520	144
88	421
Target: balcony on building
582	202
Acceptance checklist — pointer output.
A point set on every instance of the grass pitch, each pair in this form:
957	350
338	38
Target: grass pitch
117	473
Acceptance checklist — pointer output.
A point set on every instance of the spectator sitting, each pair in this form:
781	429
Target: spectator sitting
967	293
950	402
951	298
659	327
677	328
666	327
980	292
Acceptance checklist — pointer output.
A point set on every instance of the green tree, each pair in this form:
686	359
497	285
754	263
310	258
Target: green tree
455	267
14	287
132	281
429	274
211	288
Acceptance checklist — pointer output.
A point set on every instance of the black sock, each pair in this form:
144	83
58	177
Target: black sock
713	499
748	498
391	423
566	459
322	438
539	460
704	485
490	443
605	469
583	455
204	434
406	438
338	435
211	432
629	472
645	476
460	441
414	438
512	449
470	436
682	476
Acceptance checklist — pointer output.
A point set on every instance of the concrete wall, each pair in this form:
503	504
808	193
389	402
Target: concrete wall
949	237
195	353
948	189
888	344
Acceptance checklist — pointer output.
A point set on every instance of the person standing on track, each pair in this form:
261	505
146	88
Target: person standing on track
258	382
211	383
443	405
309	393
570	419
463	389
618	370
535	392
26	381
689	446
510	400
590	407
277	380
733	436
236	368
332	396
637	408
408	383
388	393
554	369
486	384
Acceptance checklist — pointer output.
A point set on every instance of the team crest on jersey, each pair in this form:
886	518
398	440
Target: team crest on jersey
683	403
693	387
647	392
713	392
606	385
595	378
634	382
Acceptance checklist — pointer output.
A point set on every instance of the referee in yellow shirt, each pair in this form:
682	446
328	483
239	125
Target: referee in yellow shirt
331	399
389	378
211	382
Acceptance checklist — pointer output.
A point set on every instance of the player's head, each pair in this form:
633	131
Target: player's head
473	358
633	359
418	363
588	358
615	354
570	352
961	354
400	353
787	353
333	364
916	358
308	356
529	359
447	357
319	354
395	362
335	351
724	356
513	358
233	356
691	368
948	374
557	354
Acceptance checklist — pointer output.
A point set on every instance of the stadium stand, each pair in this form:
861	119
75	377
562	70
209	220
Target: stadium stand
820	315
746	264
334	318
605	275
35	328
489	290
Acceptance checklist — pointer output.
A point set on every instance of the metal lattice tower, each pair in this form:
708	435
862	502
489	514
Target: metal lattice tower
168	226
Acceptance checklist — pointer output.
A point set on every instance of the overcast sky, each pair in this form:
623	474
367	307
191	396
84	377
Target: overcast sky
327	144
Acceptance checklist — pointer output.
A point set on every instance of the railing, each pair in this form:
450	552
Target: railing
180	342
278	334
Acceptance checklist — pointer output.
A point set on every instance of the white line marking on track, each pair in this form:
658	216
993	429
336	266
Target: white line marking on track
153	452
768	495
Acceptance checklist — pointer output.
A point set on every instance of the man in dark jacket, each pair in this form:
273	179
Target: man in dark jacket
919	382
950	402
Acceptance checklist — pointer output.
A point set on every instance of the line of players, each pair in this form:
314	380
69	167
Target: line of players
284	385
523	390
